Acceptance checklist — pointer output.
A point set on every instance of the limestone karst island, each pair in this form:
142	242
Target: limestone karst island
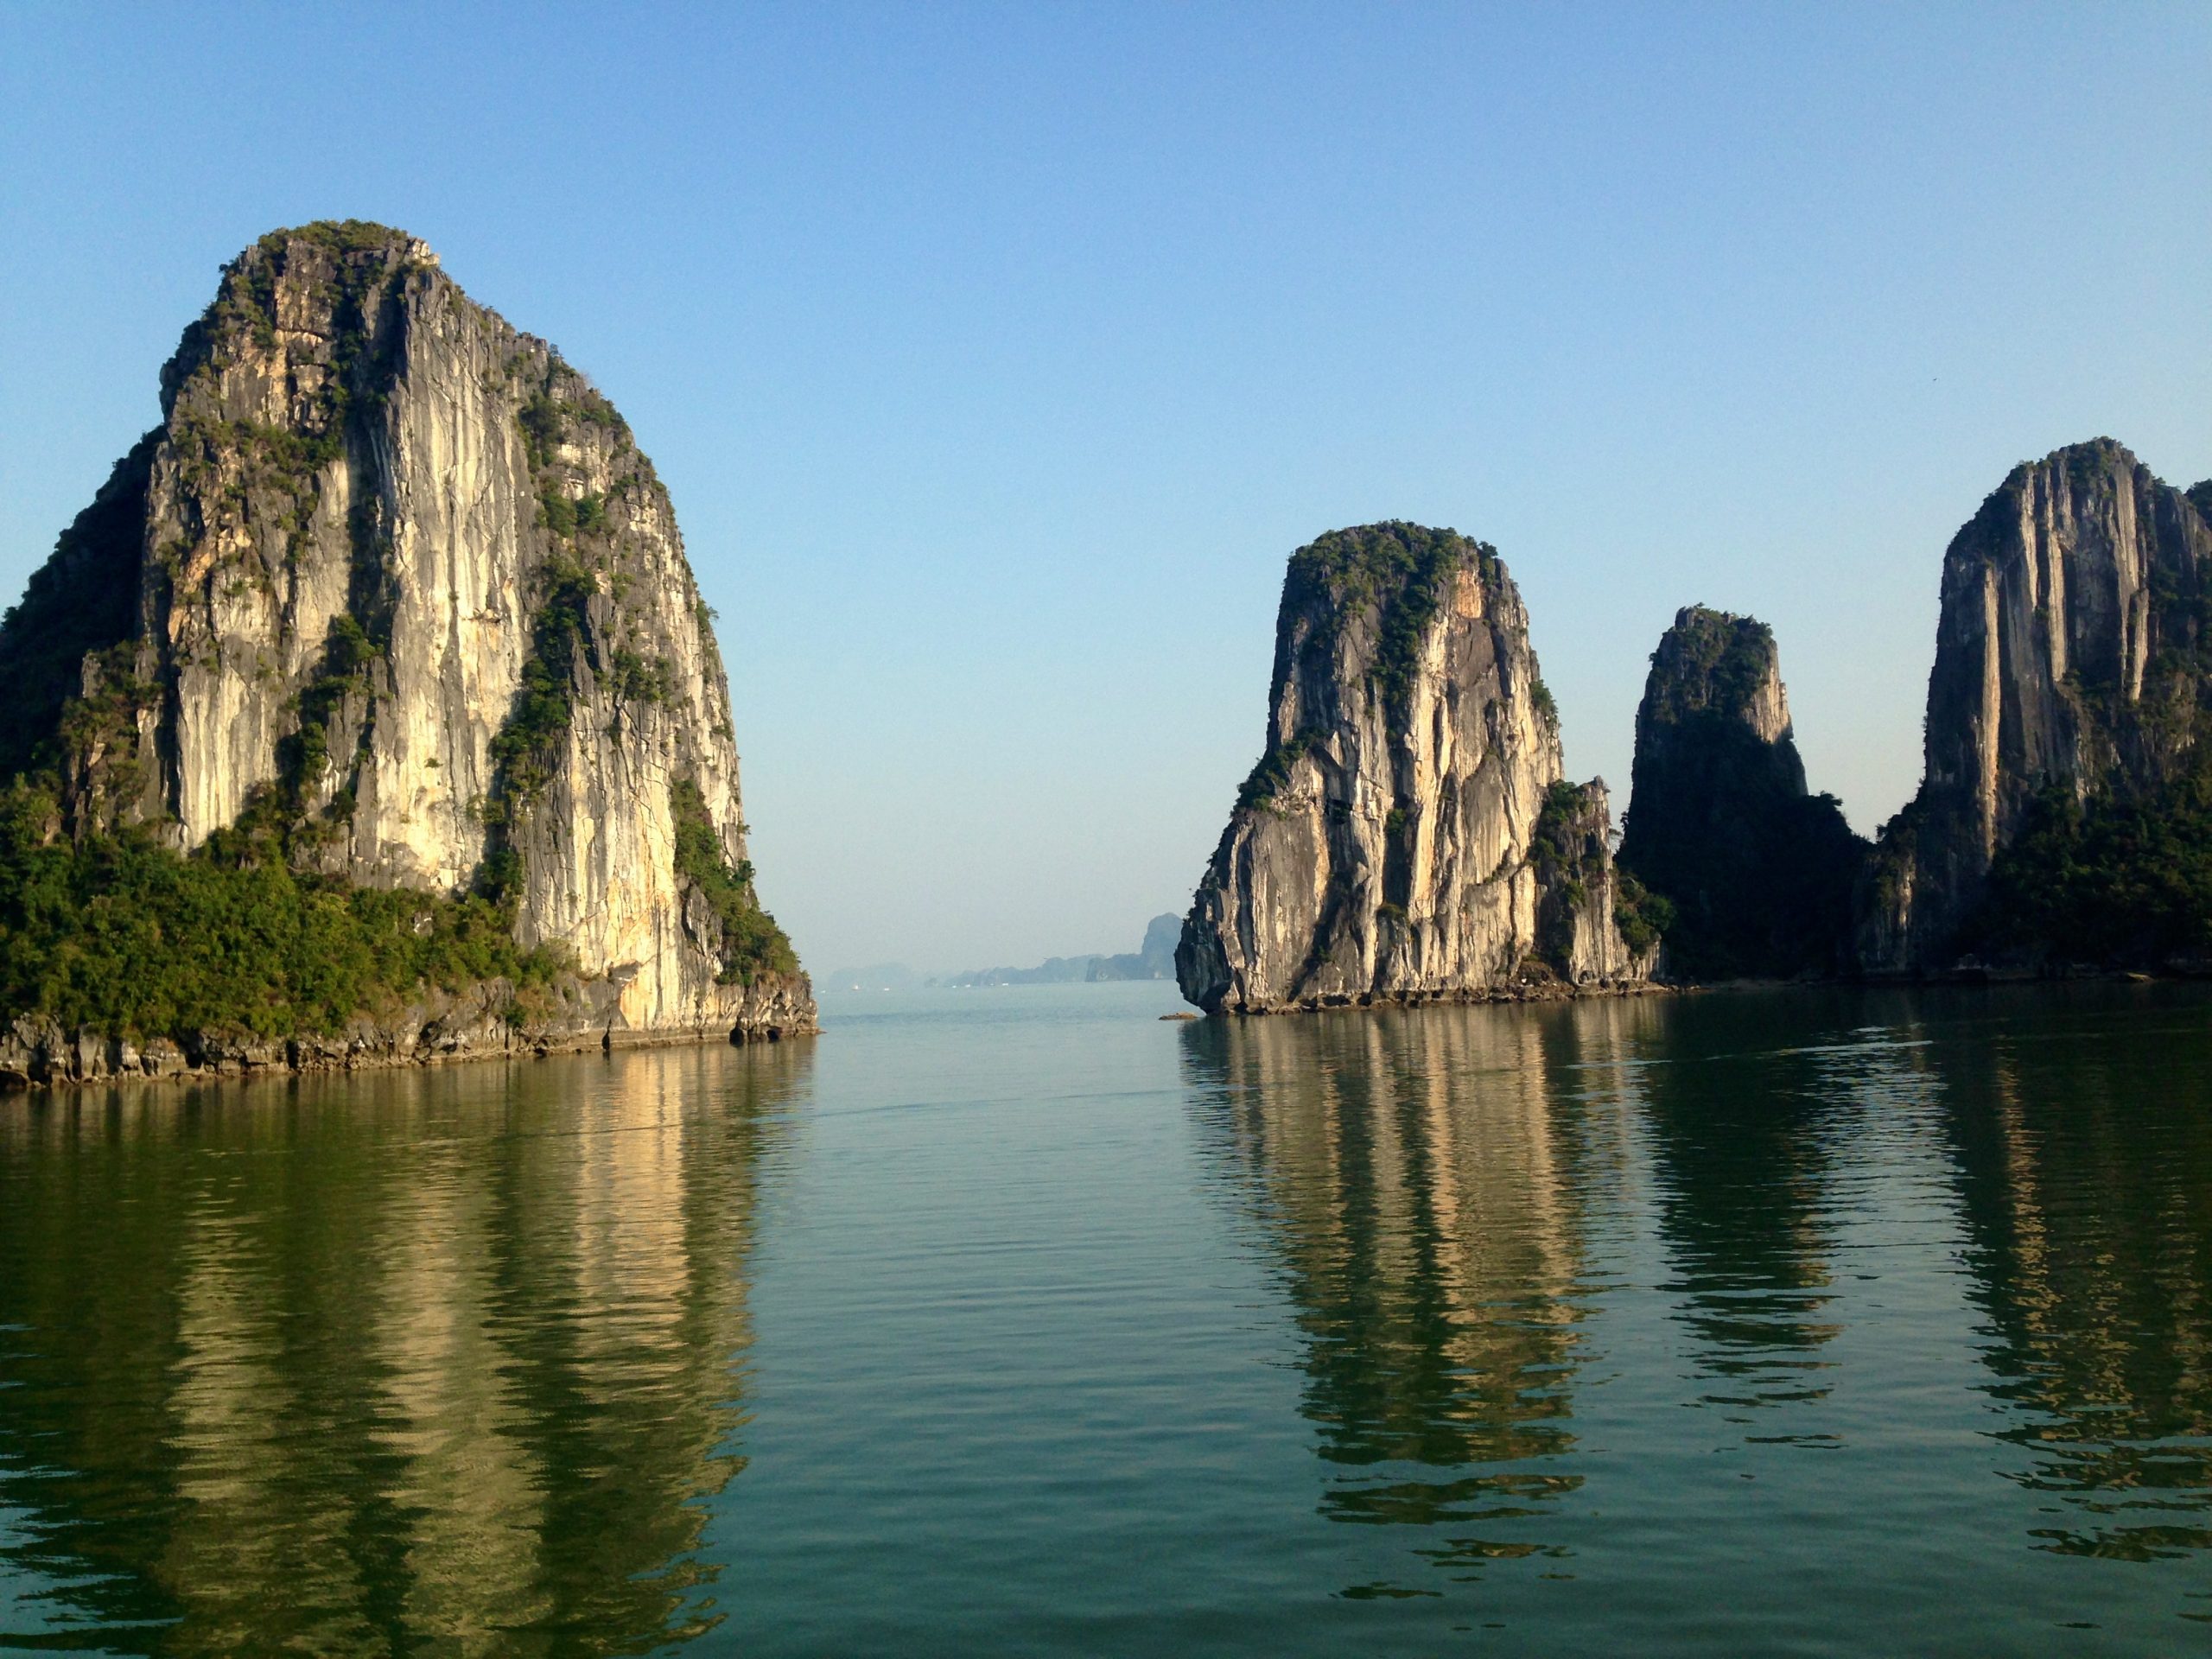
369	713
1517	810
1408	836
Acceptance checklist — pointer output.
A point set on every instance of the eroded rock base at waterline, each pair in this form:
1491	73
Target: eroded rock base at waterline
480	1024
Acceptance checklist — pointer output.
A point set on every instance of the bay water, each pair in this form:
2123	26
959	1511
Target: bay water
1019	1321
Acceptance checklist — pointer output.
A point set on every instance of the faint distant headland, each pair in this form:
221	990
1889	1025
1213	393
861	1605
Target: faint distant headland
1153	959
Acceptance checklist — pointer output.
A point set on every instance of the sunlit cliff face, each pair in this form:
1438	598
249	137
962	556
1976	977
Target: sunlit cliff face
1386	846
2066	654
404	581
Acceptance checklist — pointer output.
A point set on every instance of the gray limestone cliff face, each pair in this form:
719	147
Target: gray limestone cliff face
1407	835
2074	609
401	575
1759	872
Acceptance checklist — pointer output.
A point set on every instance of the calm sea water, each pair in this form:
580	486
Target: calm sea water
1020	1322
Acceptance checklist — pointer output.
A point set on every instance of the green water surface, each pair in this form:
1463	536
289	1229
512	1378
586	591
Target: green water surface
1020	1322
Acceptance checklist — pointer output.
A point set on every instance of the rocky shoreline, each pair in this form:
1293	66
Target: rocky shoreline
479	1024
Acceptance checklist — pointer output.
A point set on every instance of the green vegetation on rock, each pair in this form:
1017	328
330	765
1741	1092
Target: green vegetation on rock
751	942
1272	770
1716	661
523	752
1566	850
121	936
1397	568
347	654
1641	917
366	267
2112	882
1558	845
340	236
1547	705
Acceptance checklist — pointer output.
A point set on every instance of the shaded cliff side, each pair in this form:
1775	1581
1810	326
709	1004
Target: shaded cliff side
390	603
2064	814
1759	872
1407	835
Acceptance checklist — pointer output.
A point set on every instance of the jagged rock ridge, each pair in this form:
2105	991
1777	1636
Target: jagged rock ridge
393	586
1407	835
2073	663
1757	872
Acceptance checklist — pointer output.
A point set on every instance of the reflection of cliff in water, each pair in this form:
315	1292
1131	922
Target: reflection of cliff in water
1419	1183
1742	1117
2084	1151
363	1364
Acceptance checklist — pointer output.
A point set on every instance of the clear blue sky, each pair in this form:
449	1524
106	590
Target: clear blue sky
997	356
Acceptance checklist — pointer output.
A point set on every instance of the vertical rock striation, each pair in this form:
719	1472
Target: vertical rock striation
1758	872
1407	835
392	583
2070	663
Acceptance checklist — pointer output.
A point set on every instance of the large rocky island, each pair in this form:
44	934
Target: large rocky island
371	712
1408	834
1756	871
2065	816
2063	822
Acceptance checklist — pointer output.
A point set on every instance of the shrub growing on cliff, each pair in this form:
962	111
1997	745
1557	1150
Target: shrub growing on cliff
1641	916
126	939
1556	844
751	942
1272	770
636	677
1566	856
558	512
1398	567
2115	881
523	752
347	653
542	424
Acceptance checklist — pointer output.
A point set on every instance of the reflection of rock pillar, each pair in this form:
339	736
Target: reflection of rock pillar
628	1347
228	1403
470	1480
1411	1168
446	1368
2087	1245
631	1255
1742	1181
